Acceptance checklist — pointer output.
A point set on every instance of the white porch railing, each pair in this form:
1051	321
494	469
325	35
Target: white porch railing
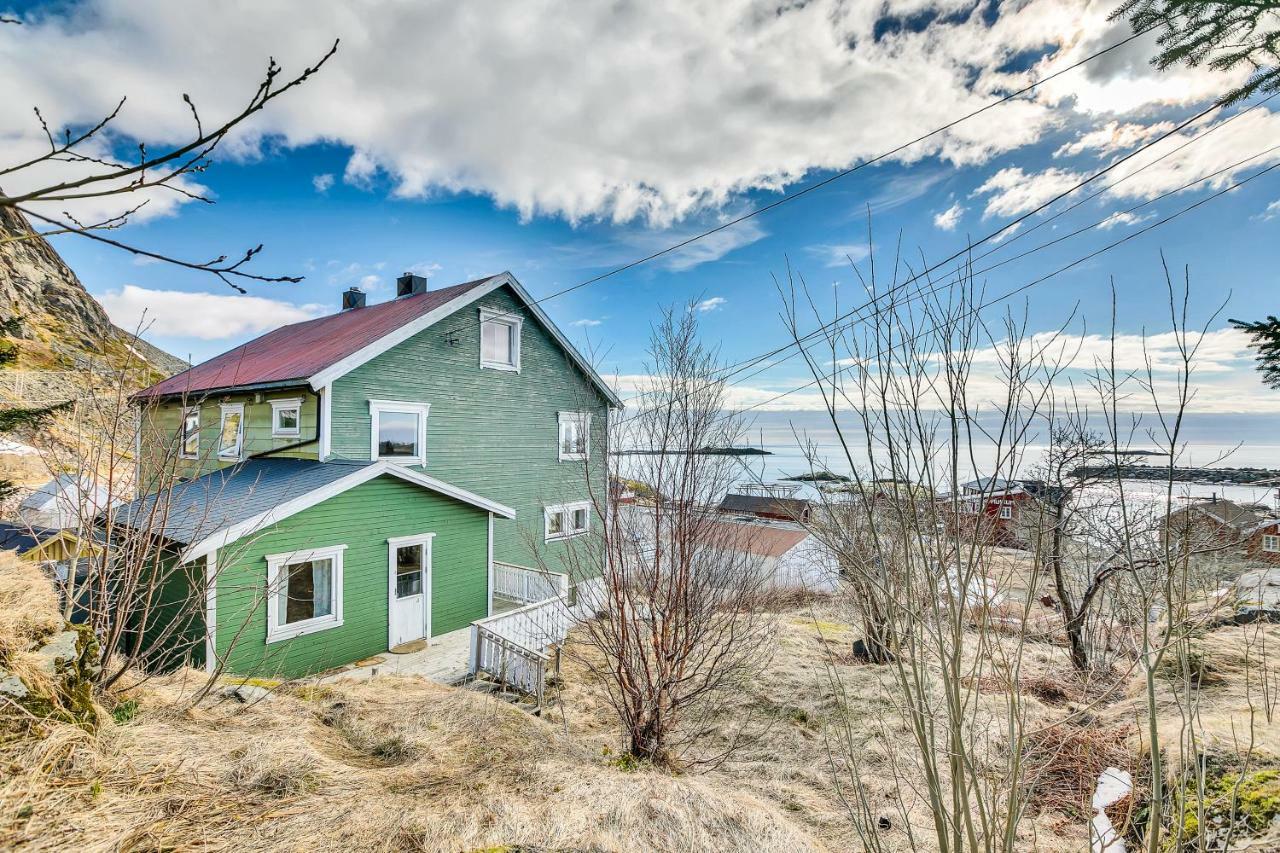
515	648
518	583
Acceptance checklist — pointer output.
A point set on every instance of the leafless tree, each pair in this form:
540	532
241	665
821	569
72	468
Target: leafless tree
679	622
92	174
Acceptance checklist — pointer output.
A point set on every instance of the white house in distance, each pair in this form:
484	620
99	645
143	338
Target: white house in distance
62	501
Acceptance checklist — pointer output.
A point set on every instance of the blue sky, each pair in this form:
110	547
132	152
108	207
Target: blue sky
558	202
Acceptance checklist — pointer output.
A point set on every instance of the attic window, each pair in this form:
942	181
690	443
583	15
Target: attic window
231	434
286	417
499	340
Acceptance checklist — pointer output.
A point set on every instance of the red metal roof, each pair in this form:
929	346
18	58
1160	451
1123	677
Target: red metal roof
299	351
760	539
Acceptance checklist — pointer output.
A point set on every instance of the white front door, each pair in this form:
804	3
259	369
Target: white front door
409	588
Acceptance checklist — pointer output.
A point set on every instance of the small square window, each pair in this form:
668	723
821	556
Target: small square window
398	431
231	433
286	417
1006	511
1271	543
190	433
575	436
499	340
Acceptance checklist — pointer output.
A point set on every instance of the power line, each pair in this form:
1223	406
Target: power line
792	196
850	316
1033	283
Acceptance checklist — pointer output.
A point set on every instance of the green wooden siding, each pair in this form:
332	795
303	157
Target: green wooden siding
162	425
362	518
490	431
173	631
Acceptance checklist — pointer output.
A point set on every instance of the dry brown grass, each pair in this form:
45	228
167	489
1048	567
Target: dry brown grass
28	606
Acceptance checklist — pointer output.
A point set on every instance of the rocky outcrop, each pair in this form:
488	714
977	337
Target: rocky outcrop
61	324
59	678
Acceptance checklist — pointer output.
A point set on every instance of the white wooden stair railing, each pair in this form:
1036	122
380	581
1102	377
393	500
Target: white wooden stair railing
516	647
518	583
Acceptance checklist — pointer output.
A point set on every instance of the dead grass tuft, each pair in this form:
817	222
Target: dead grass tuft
1064	761
28	606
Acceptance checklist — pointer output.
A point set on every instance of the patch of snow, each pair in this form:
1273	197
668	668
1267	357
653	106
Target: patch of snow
16	448
1114	785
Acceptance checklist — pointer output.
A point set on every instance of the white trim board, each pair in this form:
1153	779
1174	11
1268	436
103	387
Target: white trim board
403	333
278	513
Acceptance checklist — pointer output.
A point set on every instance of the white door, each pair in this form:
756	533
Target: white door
409	610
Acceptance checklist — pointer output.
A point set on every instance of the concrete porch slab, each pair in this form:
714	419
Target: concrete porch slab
444	660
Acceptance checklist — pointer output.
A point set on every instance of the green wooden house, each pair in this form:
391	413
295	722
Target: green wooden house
339	486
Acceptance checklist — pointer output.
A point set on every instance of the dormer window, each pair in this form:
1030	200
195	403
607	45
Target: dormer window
398	431
499	340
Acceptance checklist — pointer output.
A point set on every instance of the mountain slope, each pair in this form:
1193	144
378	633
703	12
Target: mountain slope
62	326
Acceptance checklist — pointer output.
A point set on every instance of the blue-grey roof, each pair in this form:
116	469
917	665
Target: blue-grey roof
196	509
20	537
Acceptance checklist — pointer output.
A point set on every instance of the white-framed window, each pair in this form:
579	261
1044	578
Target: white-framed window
1006	511
499	340
286	417
231	431
566	520
304	592
574	442
190	448
398	431
1271	542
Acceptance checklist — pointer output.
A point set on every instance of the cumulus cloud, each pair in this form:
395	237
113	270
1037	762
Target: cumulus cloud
323	182
711	304
1124	218
550	109
1247	142
1112	137
207	316
1014	192
949	218
586	322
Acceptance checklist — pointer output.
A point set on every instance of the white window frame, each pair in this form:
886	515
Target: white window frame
421	410
182	433
564	418
275	562
515	322
1271	543
226	409
567	509
1006	511
278	406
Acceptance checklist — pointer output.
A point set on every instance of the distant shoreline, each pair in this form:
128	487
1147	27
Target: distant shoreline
1202	476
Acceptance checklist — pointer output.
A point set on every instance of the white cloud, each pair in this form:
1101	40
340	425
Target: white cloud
439	96
1014	192
1112	137
1270	212
1124	218
1249	142
206	316
841	255
424	268
323	182
711	304
586	322
949	218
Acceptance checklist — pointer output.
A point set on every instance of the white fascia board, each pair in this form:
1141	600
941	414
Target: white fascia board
278	513
403	333
408	330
